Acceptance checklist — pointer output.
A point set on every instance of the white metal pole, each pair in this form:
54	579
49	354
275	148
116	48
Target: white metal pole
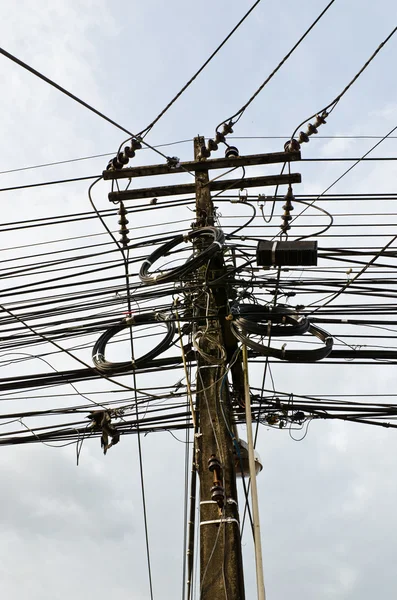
254	490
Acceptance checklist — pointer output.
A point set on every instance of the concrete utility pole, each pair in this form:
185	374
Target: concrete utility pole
220	545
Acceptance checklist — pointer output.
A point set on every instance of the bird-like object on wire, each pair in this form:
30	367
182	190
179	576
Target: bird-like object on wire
101	420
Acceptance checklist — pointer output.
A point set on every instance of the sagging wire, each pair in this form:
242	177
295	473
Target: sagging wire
42	441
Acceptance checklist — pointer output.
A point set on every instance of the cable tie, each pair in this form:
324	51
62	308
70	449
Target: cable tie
218	244
130	319
208	502
148	262
219	521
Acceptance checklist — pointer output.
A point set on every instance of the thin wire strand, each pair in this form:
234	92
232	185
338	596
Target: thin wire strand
241	111
145	131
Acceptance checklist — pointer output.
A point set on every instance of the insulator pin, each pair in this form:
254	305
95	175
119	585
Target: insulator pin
227	128
303	137
311	129
231	152
204	152
122	158
288	208
130	152
123	222
214	463
218	495
292	146
212	145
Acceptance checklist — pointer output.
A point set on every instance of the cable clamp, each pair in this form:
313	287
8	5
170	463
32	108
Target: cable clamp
129	320
219	521
231	501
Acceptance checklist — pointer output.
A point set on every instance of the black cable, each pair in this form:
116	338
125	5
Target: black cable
45	183
61	89
335	101
347	170
145	131
81	158
241	111
73	97
98	352
191	264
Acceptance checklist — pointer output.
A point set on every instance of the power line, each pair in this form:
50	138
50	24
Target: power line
258	137
45	183
241	111
335	101
357	161
61	89
73	97
81	158
145	131
90	177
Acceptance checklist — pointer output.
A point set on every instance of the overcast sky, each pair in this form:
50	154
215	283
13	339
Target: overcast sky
328	502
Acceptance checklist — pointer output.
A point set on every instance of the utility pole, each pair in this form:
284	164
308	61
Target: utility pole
221	568
220	544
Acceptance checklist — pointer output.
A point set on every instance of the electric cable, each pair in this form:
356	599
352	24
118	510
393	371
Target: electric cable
330	107
75	98
347	170
98	352
145	131
241	111
191	264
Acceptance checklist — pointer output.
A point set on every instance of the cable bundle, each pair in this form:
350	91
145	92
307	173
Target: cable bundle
98	352
192	264
270	320
259	320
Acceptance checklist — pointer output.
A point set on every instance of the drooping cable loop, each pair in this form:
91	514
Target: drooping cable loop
192	264
282	320
98	352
